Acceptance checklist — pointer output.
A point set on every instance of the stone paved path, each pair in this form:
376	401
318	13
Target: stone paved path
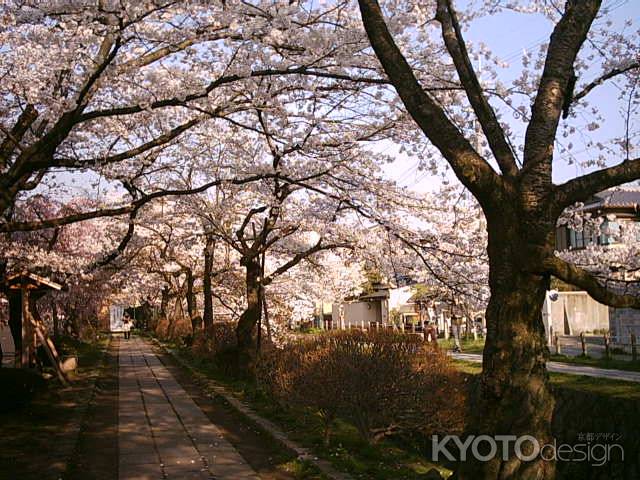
162	433
560	367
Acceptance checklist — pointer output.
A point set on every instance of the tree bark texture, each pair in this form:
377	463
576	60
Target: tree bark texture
253	313
207	315
514	396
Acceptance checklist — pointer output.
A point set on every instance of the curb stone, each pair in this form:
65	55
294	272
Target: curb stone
269	427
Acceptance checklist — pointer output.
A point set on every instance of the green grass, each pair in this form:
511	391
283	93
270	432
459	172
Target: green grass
602	386
468	346
347	451
615	364
477	346
302	469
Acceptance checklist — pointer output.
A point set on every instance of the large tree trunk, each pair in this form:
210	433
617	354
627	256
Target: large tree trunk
514	395
253	313
207	315
191	298
164	301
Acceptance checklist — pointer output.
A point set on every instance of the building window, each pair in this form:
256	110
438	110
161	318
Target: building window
576	238
609	230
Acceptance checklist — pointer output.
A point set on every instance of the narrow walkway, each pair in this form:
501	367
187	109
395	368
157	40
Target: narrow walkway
568	368
162	433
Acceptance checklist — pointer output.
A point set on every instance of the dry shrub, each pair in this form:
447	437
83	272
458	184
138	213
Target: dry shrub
219	338
304	374
179	327
162	327
381	381
172	328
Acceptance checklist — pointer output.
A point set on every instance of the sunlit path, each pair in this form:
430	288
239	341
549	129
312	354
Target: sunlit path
162	433
560	367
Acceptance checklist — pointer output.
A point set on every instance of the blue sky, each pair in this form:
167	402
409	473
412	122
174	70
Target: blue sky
508	35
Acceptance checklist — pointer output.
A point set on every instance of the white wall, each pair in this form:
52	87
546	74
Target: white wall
399	297
583	312
357	314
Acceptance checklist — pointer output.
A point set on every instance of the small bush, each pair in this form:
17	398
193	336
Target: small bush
381	381
208	343
304	374
219	345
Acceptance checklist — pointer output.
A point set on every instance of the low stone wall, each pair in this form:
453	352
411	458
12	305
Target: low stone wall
595	420
623	322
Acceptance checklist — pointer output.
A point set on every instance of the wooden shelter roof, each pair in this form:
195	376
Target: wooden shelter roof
31	281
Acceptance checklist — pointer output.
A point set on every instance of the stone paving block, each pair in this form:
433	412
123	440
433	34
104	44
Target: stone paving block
166	442
160	412
131	408
127	443
140	472
139	457
181	472
233	472
177	450
190	413
167	429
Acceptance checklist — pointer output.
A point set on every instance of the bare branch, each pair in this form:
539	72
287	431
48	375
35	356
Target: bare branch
121	246
583	187
492	129
298	257
224	80
603	78
13	137
472	170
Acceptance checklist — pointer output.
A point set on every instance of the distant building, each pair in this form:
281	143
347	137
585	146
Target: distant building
623	203
575	311
385	306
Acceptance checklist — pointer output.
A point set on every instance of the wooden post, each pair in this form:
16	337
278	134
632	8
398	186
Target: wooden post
607	341
634	347
556	343
583	344
27	340
52	353
446	326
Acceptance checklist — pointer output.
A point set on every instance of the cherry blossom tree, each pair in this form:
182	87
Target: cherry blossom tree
513	185
114	88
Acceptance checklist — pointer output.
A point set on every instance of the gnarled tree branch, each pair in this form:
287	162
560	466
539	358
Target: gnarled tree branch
114	212
472	170
581	278
583	187
492	129
568	36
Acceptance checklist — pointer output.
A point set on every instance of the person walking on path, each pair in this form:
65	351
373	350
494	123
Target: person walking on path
126	326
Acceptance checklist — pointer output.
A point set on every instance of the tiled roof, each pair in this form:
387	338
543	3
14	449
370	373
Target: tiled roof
621	197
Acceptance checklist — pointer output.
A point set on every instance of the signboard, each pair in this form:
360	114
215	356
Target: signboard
115	318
